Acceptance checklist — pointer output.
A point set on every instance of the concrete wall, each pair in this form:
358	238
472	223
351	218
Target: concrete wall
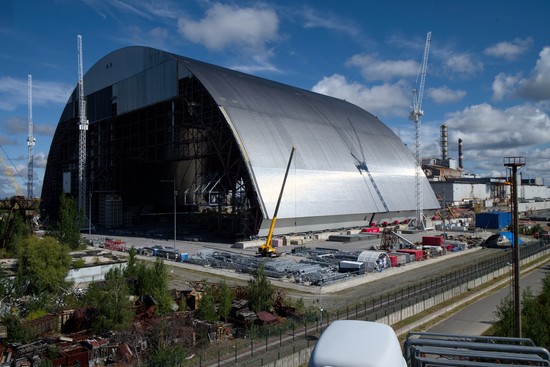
92	273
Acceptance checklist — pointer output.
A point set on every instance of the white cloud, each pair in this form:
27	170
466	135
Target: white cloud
503	85
445	94
485	127
491	134
462	64
230	26
13	93
537	87
40	160
509	50
383	100
373	68
314	19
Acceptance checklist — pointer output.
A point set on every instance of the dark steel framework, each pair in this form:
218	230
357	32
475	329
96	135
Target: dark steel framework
186	137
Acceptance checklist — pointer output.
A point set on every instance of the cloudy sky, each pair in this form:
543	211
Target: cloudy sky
488	75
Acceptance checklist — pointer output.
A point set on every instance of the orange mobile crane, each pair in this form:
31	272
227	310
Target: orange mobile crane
267	249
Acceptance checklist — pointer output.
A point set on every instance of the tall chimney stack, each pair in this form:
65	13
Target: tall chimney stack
460	157
444	146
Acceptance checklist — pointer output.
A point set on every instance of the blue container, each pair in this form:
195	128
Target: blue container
493	220
184	257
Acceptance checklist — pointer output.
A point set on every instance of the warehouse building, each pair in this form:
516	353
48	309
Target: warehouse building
168	133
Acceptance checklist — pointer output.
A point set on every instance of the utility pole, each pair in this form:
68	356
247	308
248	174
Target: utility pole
515	163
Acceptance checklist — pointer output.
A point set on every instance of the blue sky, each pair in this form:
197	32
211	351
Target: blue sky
488	75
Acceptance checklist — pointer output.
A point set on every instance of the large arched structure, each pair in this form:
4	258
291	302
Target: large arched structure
225	138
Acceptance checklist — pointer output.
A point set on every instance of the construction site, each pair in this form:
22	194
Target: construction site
220	173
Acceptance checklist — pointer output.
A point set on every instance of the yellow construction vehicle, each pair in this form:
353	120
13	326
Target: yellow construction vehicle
267	249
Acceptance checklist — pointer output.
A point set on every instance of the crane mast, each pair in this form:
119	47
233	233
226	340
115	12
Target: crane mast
30	143
83	128
415	116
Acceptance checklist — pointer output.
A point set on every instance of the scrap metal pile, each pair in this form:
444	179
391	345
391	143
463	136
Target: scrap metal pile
317	266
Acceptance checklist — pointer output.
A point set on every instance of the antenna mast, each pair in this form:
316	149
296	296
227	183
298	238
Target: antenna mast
30	143
83	128
415	116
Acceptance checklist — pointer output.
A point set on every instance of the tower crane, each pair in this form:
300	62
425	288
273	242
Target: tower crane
83	129
415	116
30	143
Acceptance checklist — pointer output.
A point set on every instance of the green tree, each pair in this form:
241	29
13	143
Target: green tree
165	340
17	333
226	296
531	313
504	314
260	291
69	222
207	306
535	315
42	273
111	298
153	281
172	355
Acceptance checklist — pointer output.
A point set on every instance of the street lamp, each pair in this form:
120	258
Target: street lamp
175	196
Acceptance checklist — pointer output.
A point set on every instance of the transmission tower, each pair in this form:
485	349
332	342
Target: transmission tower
30	143
415	116
83	128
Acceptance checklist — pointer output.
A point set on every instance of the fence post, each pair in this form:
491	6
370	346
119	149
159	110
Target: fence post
235	347
251	346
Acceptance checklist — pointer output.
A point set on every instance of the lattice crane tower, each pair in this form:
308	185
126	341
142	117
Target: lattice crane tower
30	143
415	116
83	128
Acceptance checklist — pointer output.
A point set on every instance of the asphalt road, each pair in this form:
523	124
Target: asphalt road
476	318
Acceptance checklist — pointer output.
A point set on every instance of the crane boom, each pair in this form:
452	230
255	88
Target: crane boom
266	249
9	173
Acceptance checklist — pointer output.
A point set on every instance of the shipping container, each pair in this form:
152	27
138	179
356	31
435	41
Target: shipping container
346	266
417	253
432	240
493	220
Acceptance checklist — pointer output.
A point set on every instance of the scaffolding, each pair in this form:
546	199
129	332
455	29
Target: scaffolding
185	139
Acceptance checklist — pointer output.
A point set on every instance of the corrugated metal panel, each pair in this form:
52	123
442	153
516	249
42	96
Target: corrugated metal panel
331	136
155	84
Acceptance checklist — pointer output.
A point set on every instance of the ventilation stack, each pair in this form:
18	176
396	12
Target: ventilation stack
460	157
444	146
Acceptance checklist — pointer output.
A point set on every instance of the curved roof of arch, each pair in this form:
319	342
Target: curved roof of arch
347	162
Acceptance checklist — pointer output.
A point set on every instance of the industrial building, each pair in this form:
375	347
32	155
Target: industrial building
455	188
171	134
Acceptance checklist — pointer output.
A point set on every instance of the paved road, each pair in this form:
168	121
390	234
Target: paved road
476	318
